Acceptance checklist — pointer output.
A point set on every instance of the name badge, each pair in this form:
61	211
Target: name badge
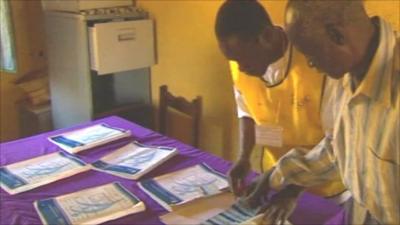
267	135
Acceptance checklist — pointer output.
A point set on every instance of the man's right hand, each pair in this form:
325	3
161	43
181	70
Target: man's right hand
281	205
237	175
258	190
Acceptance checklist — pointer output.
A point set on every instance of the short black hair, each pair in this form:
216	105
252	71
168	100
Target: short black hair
241	18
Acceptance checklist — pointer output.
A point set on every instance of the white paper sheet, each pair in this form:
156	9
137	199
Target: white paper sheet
89	206
89	137
185	185
134	160
32	173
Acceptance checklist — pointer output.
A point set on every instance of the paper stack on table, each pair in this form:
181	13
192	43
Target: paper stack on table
89	137
134	160
177	188
89	206
239	214
221	209
29	174
200	210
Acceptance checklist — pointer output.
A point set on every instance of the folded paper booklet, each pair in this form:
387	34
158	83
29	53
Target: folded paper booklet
180	187
195	212
29	174
239	214
134	160
221	209
89	137
89	206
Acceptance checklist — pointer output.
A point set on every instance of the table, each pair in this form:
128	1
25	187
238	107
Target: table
18	209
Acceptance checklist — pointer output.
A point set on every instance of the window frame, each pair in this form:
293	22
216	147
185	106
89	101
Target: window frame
9	23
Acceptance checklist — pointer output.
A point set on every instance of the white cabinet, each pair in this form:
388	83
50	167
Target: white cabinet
78	5
78	94
121	46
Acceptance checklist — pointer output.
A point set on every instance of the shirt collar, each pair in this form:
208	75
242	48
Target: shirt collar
377	82
276	71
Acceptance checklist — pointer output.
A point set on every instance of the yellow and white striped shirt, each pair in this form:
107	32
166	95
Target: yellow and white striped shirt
362	143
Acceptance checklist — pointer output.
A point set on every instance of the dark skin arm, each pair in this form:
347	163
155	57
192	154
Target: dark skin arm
242	166
280	206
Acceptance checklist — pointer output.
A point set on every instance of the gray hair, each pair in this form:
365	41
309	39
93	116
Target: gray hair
306	15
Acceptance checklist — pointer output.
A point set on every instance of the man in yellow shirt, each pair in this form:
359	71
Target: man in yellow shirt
278	94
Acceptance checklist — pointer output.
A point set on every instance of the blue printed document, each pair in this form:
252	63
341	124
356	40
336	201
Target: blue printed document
177	188
222	209
134	160
240	214
89	206
32	173
237	214
89	137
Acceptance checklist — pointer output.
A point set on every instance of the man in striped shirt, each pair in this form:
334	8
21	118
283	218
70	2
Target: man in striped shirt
361	110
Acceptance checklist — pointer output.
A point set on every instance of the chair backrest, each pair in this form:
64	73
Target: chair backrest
192	109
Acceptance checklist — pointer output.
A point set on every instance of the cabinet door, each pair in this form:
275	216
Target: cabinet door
121	46
69	71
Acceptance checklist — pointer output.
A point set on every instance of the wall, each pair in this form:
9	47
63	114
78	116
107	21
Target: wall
387	9
190	63
28	25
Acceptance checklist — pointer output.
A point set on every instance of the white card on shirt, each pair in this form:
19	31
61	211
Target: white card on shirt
268	135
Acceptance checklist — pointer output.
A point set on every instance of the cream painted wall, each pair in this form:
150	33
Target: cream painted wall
190	63
29	40
387	9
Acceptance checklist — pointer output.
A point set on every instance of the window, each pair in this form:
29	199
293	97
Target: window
7	50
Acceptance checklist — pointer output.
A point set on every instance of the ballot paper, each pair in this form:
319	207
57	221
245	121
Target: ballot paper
89	206
195	212
239	214
180	187
134	160
29	174
89	137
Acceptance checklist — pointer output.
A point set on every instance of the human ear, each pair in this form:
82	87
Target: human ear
265	38
334	34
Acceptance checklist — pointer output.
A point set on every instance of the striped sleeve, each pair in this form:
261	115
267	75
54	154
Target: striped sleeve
304	168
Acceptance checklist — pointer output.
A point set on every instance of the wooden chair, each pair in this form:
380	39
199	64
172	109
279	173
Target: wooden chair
192	110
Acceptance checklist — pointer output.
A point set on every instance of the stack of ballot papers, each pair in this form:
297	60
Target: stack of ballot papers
239	214
221	209
89	137
29	174
200	210
134	160
89	206
180	187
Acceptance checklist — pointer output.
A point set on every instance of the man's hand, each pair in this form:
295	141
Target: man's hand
258	190
281	205
237	175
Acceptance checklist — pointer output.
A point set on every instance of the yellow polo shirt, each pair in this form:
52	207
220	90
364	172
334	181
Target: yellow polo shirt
292	106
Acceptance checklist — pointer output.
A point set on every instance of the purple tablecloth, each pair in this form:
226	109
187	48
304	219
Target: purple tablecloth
18	209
